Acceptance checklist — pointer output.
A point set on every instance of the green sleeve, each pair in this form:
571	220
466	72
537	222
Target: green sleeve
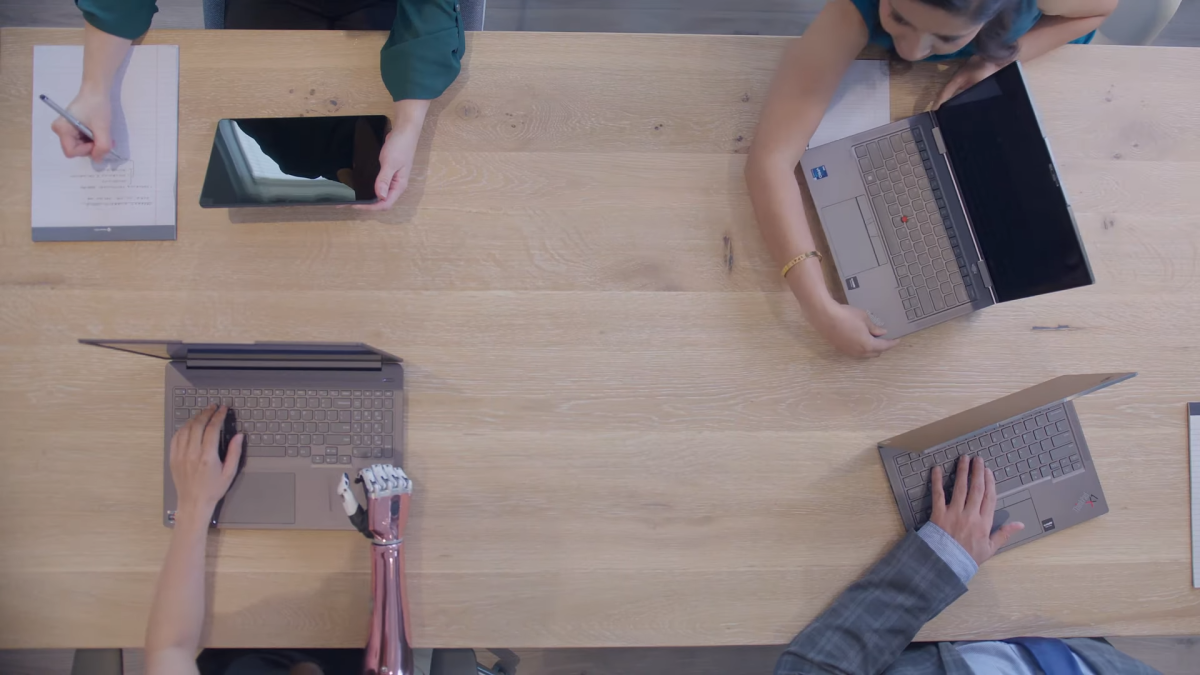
129	19
422	56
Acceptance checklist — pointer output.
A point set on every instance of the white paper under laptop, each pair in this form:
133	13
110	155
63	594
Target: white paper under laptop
862	102
132	197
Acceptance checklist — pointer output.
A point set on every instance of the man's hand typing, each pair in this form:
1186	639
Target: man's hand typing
968	516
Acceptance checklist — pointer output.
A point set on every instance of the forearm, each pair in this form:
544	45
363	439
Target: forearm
102	57
409	113
779	210
873	620
177	615
1052	32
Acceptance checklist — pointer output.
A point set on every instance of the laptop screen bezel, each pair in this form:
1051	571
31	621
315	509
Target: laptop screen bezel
175	350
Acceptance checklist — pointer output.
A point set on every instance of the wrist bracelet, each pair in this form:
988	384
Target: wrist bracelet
799	259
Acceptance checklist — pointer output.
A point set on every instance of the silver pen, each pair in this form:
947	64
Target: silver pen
79	126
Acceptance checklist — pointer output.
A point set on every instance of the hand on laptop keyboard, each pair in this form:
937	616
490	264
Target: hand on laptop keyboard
851	330
968	516
201	479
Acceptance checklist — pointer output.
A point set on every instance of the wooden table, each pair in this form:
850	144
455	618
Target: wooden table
621	429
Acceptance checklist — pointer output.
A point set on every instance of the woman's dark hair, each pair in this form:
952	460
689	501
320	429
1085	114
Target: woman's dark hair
994	41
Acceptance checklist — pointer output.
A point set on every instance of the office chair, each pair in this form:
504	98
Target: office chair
472	13
1136	22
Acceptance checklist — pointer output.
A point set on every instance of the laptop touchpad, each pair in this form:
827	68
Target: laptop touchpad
848	237
261	499
1021	512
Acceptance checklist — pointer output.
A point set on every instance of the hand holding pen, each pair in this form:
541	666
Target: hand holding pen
83	127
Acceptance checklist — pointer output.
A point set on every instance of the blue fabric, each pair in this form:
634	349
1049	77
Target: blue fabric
996	658
1053	656
1026	16
950	551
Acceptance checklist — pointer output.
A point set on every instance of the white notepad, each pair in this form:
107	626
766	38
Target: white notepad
1194	455
121	199
862	102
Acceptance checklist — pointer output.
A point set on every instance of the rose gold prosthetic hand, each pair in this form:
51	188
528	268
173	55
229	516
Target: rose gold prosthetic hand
388	490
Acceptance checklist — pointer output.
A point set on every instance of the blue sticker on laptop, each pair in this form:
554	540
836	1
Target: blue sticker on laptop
820	172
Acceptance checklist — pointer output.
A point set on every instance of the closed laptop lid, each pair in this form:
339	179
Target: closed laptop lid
1011	189
174	350
972	421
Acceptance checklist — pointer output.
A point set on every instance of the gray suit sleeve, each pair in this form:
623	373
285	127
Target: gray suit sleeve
873	620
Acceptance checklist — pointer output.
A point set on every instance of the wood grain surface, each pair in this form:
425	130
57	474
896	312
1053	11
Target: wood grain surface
621	430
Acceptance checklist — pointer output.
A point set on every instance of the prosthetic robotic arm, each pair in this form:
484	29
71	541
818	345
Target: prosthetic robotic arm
388	490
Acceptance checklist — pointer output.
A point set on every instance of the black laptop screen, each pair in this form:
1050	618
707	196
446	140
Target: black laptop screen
1009	188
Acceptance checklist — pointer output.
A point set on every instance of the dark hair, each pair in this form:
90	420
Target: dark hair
994	41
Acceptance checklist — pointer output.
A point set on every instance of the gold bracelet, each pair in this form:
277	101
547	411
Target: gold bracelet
799	259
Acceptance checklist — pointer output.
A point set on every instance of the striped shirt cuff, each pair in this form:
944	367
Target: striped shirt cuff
950	551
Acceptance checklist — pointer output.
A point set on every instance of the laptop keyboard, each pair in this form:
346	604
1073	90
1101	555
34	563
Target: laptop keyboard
318	426
1037	447
911	211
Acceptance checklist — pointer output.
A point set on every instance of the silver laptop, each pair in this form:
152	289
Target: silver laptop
949	211
1032	442
309	411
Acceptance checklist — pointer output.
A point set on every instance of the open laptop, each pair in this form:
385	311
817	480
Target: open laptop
950	211
1032	442
310	412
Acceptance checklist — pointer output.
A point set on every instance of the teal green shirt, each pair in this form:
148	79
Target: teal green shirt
420	59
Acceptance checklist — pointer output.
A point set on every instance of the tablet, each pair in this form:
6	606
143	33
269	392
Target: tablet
294	161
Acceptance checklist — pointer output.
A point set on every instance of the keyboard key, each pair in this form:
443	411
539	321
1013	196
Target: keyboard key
1027	439
1061	439
1063	452
293	452
343	403
338	439
318	459
265	451
1077	466
1007	485
331	451
339	428
318	439
1043	459
305	451
860	151
1022	466
181	413
917	492
912	481
1056	474
1041	420
293	439
1056	414
362	452
1012	457
1046	471
344	459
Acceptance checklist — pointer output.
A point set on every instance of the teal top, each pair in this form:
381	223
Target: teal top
420	59
1026	16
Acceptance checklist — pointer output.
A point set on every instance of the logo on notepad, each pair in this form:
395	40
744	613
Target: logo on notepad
820	172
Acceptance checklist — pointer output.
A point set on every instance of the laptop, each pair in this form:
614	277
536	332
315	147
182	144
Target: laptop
948	211
310	412
1032	442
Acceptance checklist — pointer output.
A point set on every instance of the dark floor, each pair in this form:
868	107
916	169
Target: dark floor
1173	656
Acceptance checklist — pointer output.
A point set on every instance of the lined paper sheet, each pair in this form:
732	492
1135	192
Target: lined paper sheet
119	199
1194	455
861	103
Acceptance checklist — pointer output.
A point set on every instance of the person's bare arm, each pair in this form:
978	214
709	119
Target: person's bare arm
808	77
1062	21
177	615
102	57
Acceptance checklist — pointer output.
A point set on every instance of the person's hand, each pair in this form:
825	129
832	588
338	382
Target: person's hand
200	478
975	70
968	516
95	111
851	330
395	166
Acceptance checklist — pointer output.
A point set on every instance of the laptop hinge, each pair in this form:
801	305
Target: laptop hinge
985	274
282	364
938	141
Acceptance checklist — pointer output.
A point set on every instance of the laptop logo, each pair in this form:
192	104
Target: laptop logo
852	284
1086	499
820	172
1048	524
